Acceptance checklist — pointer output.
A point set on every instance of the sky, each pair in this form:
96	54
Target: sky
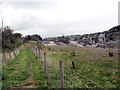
51	18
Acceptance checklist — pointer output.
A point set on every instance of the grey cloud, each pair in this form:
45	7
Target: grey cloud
66	28
50	28
31	23
31	5
25	22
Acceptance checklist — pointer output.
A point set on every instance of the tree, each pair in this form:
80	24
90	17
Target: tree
7	39
17	35
34	37
10	41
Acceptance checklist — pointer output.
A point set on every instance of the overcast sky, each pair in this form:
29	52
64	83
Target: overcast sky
59	17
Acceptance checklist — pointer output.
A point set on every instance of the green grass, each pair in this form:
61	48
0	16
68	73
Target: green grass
88	73
17	70
39	75
93	68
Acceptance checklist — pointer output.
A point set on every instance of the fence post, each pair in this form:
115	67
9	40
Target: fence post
4	58
36	51
61	75
38	54
118	45
14	53
45	63
10	55
73	65
33	50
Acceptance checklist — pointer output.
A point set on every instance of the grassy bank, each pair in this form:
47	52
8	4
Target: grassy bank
16	70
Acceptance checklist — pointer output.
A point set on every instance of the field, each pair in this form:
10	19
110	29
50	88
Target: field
93	68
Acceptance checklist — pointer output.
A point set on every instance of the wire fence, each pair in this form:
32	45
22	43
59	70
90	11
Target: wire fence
71	79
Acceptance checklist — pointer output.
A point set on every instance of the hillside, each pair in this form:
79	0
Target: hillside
109	34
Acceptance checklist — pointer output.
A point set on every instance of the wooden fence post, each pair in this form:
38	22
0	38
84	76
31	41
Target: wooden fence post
61	75
36	51
10	55
38	54
4	58
14	54
45	63
49	48
73	65
118	45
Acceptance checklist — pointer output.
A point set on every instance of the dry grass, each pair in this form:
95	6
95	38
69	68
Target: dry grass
87	53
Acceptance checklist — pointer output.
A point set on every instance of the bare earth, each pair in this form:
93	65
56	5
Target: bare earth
30	79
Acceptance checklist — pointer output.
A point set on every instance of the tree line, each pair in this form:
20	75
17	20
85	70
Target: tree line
11	41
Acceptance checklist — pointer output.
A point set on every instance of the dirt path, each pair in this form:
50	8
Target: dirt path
28	83
29	80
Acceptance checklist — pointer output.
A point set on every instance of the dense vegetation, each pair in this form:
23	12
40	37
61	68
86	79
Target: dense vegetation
10	40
